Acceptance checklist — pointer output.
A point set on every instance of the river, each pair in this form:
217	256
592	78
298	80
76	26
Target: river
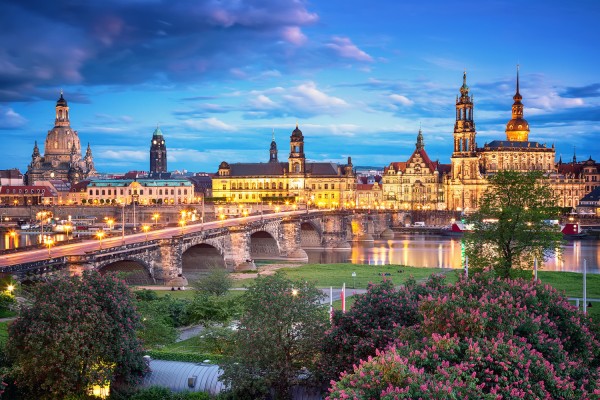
445	252
407	249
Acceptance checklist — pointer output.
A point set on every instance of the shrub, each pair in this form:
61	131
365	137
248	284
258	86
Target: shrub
217	282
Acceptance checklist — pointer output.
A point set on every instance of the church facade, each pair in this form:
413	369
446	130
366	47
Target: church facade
62	157
322	184
471	165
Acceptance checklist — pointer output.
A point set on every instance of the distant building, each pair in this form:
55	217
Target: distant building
27	195
62	153
142	191
415	184
158	155
11	177
323	184
202	184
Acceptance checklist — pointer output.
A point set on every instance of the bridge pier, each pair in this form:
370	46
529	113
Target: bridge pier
335	231
237	256
290	242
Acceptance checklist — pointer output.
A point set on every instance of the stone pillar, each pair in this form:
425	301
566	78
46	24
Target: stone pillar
170	265
237	250
335	228
289	241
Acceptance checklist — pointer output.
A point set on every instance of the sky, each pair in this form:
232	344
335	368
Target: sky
360	77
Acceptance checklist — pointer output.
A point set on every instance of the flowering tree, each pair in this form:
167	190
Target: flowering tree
77	332
277	341
485	337
373	322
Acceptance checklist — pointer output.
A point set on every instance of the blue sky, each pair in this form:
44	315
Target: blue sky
359	76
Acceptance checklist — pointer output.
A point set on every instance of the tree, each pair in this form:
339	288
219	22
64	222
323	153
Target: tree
512	227
77	332
277	342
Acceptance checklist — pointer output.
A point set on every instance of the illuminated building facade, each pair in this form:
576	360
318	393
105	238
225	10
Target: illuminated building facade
415	184
322	184
470	165
158	154
142	191
62	152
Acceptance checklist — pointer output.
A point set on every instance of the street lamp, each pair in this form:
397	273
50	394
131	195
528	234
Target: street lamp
182	224
68	227
354	279
100	234
49	242
13	236
155	217
146	228
10	288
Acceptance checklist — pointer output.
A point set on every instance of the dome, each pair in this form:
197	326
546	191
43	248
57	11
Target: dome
224	165
61	101
517	130
297	133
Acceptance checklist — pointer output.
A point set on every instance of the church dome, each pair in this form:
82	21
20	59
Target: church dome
61	102
297	133
517	129
224	165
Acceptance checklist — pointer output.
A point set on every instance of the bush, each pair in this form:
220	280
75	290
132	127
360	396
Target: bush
515	338
186	357
217	282
161	393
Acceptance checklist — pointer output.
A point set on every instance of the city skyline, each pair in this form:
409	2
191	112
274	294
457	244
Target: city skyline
360	80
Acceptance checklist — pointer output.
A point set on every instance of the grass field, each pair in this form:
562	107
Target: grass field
3	332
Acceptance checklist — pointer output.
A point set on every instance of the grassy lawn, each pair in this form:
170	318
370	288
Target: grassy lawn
3	332
326	275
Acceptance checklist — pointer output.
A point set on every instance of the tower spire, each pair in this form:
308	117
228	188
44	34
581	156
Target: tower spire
518	79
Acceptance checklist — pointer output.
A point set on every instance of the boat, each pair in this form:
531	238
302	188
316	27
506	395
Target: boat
572	230
457	229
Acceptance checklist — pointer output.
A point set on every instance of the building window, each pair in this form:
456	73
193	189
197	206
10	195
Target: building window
326	186
141	192
224	186
332	186
172	192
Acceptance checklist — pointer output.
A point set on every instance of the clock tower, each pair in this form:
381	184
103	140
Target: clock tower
158	153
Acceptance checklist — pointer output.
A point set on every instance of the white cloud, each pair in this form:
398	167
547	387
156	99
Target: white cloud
10	119
344	47
208	123
116	154
294	35
402	100
307	97
263	102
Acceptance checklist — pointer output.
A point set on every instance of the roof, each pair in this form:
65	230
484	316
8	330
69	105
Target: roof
80	186
11	174
143	182
20	190
179	376
157	132
496	144
281	168
367	186
396	166
593	196
444	168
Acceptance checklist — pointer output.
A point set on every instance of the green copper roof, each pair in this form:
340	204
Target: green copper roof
157	132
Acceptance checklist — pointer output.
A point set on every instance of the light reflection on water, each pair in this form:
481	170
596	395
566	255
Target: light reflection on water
446	252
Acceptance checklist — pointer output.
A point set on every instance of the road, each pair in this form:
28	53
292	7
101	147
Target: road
80	248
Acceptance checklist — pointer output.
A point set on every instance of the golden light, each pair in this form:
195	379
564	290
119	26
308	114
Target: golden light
245	213
155	217
48	242
110	223
100	234
146	228
12	234
294	292
222	217
277	209
10	288
182	224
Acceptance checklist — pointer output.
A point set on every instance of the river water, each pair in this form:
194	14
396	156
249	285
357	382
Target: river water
409	249
446	252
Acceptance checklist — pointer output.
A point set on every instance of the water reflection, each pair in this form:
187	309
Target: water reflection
447	252
16	241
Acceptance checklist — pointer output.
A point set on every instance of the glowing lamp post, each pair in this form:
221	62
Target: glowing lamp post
49	242
182	224
110	222
100	235
10	289
146	228
67	229
155	217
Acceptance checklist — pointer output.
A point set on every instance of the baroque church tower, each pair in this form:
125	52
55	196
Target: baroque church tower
62	152
517	129
158	153
297	160
273	150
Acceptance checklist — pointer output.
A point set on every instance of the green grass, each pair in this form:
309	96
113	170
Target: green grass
3	332
326	275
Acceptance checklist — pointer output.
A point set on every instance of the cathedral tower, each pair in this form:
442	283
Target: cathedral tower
464	127
296	159
158	153
273	150
517	129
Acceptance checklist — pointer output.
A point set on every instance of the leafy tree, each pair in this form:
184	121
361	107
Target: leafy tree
210	309
77	332
277	342
511	227
217	282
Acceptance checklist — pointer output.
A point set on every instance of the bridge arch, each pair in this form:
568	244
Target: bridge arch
199	258
311	235
133	270
263	245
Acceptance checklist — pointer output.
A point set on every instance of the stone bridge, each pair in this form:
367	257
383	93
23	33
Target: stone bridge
231	247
